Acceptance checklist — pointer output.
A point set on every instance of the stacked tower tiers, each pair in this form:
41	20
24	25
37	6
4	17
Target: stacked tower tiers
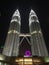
11	47
37	43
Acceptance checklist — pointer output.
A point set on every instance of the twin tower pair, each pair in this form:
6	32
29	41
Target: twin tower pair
12	43
32	17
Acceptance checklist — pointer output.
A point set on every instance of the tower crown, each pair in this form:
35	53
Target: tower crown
32	12
16	17
16	13
33	17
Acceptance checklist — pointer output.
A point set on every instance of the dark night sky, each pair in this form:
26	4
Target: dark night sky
7	9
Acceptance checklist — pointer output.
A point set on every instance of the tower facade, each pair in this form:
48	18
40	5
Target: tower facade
11	47
37	42
34	38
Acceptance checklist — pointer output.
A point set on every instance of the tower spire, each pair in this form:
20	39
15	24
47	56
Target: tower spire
16	17
32	17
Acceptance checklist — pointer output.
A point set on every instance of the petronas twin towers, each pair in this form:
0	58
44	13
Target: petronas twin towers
12	43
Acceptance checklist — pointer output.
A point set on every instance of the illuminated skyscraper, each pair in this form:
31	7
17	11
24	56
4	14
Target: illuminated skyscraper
11	47
37	42
34	38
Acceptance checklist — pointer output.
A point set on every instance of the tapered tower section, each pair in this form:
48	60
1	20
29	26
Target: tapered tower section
37	42
11	47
